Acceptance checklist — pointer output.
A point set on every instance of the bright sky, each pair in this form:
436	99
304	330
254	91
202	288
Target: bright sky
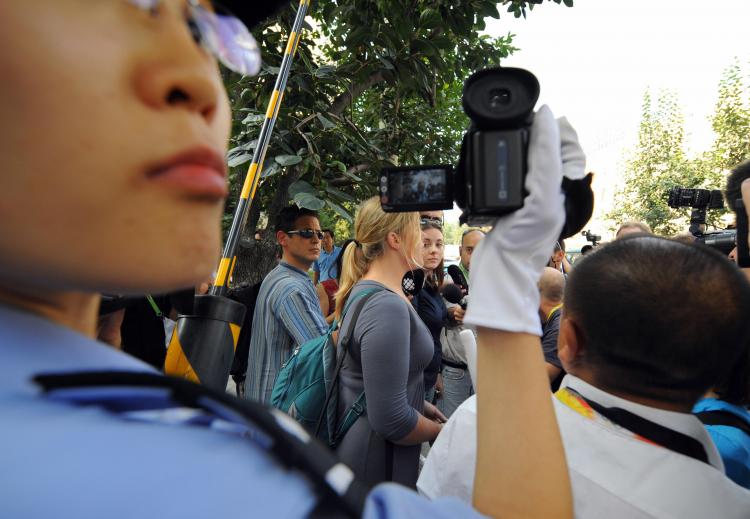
595	60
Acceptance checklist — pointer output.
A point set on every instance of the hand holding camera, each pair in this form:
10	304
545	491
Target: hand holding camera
507	264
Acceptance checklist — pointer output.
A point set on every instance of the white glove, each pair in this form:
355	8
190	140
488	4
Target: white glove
507	264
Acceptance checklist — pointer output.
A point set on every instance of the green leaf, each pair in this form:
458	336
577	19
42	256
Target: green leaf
309	201
340	194
243	147
239	160
352	176
568	3
324	71
327	123
338	165
430	18
270	170
287	160
340	210
301	186
253	118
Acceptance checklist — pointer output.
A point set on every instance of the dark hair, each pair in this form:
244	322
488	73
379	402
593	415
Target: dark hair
288	217
330	232
586	249
658	318
438	275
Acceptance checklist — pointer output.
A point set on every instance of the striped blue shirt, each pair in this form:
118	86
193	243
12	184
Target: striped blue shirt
287	314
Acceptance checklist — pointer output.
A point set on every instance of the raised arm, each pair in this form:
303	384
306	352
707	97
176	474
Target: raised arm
521	469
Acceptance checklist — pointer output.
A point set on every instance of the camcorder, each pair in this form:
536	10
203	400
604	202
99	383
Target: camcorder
702	200
594	239
489	179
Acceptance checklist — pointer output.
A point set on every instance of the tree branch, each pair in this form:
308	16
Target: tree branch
354	91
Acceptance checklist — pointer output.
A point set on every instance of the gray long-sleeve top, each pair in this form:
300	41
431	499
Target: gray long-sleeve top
390	347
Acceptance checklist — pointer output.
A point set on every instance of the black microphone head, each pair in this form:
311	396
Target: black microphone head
458	277
453	293
412	282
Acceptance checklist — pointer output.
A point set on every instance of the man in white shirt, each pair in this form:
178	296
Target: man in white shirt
640	344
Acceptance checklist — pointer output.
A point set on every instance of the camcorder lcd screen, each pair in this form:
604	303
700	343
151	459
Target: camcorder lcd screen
416	188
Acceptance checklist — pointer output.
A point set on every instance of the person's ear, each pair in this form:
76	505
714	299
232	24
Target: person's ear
282	238
571	345
393	240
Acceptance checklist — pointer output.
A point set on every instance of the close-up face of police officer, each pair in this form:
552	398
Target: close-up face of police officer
114	131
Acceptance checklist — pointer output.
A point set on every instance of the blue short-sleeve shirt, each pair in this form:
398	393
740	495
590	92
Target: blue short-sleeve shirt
63	461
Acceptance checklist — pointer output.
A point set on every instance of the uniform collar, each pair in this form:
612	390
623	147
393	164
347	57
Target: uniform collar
31	344
684	423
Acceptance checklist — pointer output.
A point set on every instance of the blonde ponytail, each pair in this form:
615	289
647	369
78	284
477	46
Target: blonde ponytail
371	228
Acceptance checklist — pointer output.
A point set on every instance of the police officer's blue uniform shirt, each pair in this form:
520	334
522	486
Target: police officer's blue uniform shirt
58	460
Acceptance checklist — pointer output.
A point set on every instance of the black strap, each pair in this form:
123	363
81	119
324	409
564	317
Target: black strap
667	438
296	450
723	418
450	363
344	347
388	460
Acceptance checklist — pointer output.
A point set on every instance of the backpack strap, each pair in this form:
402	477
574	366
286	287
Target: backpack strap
274	431
329	411
723	418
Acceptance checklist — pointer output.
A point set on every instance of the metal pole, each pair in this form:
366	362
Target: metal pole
226	265
202	345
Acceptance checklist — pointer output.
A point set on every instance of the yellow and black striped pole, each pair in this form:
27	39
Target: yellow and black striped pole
202	345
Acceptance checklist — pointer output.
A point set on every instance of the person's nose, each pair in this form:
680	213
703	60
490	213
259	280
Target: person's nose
179	73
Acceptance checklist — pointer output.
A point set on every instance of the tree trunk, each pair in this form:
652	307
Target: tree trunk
256	258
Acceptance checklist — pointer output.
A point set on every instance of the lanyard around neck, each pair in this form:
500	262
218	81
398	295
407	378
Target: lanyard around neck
651	431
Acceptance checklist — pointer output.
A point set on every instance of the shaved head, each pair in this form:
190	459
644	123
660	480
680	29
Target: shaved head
552	285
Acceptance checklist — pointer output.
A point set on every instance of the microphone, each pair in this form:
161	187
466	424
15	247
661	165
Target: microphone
458	277
453	293
734	201
412	282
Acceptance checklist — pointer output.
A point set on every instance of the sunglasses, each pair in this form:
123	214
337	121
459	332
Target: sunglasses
219	33
307	233
431	220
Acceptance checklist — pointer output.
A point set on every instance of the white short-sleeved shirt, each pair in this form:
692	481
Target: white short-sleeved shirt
613	474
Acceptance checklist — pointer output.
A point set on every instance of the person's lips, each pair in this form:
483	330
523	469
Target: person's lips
199	172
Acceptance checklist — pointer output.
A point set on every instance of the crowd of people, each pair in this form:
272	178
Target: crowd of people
514	384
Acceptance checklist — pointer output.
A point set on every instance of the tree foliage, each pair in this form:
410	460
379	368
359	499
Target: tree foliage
659	161
374	83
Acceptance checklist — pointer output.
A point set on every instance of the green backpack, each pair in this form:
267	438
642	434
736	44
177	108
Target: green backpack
307	385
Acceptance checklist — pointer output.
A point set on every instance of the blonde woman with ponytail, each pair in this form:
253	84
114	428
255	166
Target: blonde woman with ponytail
388	351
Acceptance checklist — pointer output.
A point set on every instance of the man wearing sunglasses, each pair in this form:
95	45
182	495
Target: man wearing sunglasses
287	312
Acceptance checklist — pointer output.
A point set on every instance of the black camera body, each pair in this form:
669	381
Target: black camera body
695	198
701	200
594	239
489	179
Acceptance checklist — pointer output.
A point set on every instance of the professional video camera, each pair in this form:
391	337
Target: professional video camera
489	179
702	200
591	237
